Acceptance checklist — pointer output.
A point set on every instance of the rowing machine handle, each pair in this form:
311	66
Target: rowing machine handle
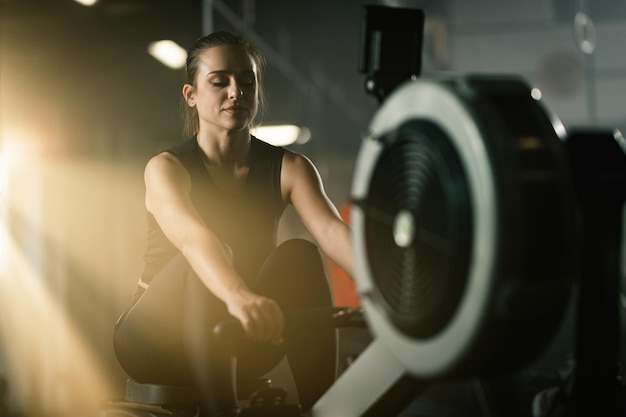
329	317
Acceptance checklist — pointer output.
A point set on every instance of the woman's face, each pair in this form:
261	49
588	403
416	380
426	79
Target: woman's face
225	92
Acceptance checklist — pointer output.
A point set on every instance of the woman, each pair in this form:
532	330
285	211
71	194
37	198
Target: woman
214	203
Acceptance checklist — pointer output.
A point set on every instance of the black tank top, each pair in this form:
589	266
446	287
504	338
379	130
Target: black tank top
248	223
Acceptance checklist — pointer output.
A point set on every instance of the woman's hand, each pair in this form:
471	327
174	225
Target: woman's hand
261	317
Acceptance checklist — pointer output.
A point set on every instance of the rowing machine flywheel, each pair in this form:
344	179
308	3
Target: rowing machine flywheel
464	225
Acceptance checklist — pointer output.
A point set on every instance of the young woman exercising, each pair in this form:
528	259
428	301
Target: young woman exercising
214	202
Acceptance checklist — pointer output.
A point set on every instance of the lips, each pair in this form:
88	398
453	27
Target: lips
234	109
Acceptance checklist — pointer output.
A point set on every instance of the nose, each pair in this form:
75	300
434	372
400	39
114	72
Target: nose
235	91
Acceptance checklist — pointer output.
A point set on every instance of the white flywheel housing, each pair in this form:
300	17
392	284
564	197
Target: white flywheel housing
463	225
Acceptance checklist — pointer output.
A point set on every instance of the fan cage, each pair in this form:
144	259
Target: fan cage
418	228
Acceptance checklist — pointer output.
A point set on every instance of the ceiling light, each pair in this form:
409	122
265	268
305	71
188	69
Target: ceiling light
86	2
169	53
282	135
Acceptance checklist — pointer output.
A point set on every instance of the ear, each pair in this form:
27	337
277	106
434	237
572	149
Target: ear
189	95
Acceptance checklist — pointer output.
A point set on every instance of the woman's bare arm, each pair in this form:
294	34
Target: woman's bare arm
168	198
302	186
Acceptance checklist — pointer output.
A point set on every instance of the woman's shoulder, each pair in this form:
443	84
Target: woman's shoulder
163	163
183	156
297	167
298	160
172	153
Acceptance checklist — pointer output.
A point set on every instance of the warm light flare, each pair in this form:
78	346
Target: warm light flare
168	53
68	234
282	135
41	341
4	180
86	2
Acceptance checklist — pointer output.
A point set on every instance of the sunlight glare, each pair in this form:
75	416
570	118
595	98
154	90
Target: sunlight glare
3	213
53	278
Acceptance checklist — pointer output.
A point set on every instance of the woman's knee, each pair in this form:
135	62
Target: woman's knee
298	248
297	255
295	275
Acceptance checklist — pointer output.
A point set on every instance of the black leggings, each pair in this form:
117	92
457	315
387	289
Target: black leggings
166	337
